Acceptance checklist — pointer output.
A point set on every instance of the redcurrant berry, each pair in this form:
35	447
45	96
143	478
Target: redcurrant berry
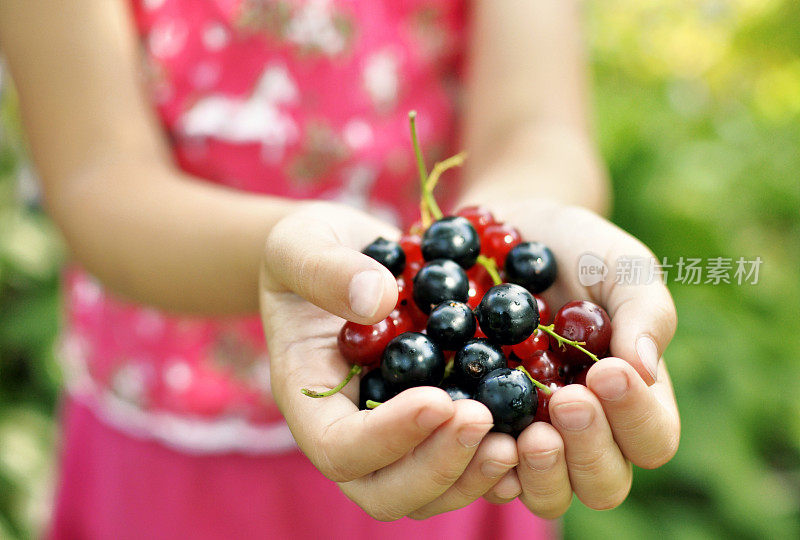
497	240
363	344
543	410
543	366
538	341
585	322
544	309
479	216
403	320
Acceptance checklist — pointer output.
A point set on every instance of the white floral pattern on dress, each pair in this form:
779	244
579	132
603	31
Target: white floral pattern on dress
256	119
313	26
382	79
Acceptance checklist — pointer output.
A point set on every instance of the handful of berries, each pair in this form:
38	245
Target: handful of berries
469	317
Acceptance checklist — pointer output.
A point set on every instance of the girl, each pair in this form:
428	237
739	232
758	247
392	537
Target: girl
188	200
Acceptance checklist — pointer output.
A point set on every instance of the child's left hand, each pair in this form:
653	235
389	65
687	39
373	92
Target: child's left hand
598	431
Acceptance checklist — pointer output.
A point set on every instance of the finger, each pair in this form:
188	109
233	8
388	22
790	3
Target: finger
643	317
644	420
506	490
598	472
308	255
643	322
546	489
344	443
428	471
496	455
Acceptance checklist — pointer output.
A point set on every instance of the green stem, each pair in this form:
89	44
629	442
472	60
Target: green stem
536	383
561	340
372	404
448	368
423	171
355	370
491	268
433	179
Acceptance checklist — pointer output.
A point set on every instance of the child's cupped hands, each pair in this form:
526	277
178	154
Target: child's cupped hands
417	455
421	454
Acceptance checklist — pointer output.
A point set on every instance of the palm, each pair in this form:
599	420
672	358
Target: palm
419	453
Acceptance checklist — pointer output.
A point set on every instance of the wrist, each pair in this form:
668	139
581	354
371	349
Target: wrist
554	163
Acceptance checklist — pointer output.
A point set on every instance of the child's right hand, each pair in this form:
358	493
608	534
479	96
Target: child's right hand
419	454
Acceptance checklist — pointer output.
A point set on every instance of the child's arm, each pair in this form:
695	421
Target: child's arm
530	140
528	120
129	215
160	238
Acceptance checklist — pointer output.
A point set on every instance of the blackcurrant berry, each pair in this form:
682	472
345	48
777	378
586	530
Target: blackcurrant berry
473	361
451	325
373	387
511	397
532	265
456	392
439	281
452	238
586	322
508	314
411	359
388	253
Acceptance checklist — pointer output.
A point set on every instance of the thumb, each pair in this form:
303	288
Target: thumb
643	324
306	256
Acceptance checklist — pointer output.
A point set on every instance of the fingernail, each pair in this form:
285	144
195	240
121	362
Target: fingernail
470	436
611	386
429	419
494	469
541	461
365	292
573	416
648	355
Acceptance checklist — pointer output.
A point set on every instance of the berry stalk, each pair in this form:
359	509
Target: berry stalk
448	368
536	383
423	172
433	179
561	340
491	268
354	370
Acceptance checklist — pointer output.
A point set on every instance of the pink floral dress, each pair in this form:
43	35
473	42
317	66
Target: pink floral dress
296	98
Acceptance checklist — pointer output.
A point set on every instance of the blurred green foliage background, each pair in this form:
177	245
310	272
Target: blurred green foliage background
698	106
